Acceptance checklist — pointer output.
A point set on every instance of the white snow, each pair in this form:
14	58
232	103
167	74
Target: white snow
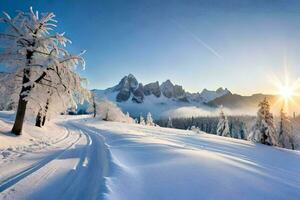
110	160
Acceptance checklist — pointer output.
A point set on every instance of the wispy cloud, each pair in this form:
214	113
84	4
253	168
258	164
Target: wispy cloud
196	38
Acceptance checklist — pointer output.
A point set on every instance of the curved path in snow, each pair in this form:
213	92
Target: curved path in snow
75	171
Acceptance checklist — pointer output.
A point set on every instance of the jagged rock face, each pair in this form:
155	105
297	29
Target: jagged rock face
123	95
138	94
179	91
167	88
126	86
152	88
129	88
127	83
222	91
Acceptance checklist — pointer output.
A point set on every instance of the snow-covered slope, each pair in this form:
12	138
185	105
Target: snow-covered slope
107	160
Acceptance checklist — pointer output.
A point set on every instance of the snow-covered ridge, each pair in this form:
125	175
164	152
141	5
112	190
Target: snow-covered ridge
159	99
129	89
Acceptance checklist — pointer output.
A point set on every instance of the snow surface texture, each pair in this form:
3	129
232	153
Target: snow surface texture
91	159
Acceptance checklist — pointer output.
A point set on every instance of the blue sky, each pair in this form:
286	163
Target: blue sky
198	44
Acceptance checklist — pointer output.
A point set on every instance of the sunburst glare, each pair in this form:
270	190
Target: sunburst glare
287	91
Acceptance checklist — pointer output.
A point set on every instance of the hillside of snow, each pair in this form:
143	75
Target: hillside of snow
90	159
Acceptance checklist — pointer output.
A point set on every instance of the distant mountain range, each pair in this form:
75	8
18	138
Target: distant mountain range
168	98
129	89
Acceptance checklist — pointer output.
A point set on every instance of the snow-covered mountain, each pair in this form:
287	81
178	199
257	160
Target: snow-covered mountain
129	89
209	95
138	98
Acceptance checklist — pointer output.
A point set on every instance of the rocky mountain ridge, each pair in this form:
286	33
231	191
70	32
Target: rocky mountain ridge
130	89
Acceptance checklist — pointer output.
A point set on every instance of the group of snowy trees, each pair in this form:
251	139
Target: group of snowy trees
42	71
242	127
264	130
238	126
148	122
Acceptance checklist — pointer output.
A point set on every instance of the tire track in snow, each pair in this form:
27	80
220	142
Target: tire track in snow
90	182
21	175
86	179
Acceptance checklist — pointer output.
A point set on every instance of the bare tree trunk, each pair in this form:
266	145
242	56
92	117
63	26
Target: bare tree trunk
38	120
20	115
94	106
46	110
44	120
18	125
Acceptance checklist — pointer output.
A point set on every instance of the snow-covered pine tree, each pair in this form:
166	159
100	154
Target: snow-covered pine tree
142	120
223	126
285	138
149	120
264	130
170	123
29	47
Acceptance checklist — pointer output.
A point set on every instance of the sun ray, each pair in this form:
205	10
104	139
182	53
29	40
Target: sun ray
286	92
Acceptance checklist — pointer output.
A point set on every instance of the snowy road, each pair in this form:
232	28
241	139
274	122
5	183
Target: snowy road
106	160
75	171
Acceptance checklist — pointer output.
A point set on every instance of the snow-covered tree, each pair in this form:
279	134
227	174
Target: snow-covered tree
170	124
223	126
62	94
142	120
129	119
136	121
285	138
9	90
29	46
109	111
149	120
195	129
264	130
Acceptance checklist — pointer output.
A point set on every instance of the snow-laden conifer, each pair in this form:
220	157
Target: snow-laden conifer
170	123
264	130
149	120
223	127
285	138
142	120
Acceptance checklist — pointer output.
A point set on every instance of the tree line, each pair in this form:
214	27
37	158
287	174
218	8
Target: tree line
261	128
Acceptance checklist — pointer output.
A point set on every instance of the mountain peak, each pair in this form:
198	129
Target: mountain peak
209	95
131	76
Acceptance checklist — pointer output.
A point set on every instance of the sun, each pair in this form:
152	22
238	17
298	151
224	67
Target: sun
286	92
